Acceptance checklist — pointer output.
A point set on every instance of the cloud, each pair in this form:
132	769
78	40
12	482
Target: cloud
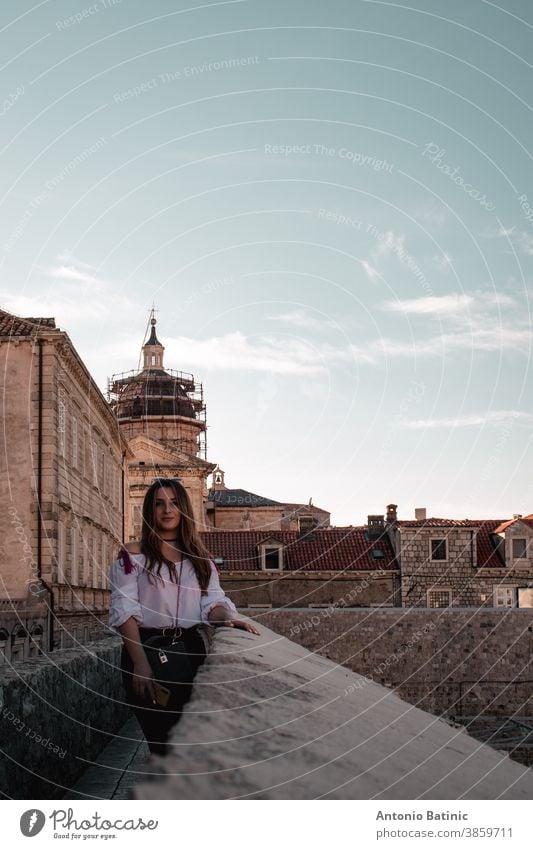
463	308
69	272
489	419
522	241
441	262
237	352
301	318
432	215
443	305
73	294
474	339
371	271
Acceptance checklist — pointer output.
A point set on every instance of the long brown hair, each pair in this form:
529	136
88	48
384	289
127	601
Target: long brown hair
188	543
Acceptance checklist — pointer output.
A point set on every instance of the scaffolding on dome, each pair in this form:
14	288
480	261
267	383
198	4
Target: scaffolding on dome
157	395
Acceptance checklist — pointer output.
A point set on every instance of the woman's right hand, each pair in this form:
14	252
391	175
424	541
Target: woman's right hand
143	680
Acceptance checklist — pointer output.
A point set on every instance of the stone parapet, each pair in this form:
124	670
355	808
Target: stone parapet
270	720
57	713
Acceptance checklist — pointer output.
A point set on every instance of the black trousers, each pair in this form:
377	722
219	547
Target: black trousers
156	721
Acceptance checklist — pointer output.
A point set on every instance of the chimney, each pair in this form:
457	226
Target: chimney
306	526
392	514
517	515
420	513
376	527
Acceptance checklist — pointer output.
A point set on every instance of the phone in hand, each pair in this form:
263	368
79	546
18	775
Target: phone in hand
162	694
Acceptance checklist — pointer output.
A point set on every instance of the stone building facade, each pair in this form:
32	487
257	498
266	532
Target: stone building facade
60	482
239	509
463	562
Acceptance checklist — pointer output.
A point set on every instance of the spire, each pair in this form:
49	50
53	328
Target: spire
153	349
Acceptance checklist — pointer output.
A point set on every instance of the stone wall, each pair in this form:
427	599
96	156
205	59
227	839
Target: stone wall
54	713
18	517
453	662
351	589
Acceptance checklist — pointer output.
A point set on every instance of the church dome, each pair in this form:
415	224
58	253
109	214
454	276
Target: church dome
155	391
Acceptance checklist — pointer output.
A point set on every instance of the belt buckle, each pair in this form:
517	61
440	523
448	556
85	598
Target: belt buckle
175	632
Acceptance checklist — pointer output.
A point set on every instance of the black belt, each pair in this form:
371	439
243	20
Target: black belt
170	631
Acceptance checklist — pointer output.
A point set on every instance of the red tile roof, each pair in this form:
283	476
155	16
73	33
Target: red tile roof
487	554
437	523
330	549
13	325
527	520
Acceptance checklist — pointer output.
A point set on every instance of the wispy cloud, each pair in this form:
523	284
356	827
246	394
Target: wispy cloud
497	339
438	306
525	244
441	262
492	418
520	239
456	305
74	294
432	215
301	318
70	272
371	271
238	352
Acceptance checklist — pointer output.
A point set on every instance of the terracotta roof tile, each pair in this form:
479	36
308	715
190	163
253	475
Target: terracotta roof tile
14	325
527	520
330	549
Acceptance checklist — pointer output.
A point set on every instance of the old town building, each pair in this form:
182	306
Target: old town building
239	509
463	562
60	488
161	414
334	567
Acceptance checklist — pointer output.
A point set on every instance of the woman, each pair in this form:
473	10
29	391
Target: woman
165	584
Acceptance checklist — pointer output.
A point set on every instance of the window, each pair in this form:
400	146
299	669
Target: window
74	441
439	598
62	425
73	556
103	564
504	596
271	554
438	549
61	546
87	455
519	549
378	553
525	597
95	464
272	558
84	561
94	564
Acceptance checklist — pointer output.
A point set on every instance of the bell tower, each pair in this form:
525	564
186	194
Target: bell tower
161	413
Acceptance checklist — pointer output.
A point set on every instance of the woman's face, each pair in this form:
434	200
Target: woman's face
166	514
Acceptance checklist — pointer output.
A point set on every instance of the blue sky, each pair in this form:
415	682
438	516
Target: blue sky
331	206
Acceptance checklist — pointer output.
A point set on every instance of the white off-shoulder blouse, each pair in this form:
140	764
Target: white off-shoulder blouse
154	603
